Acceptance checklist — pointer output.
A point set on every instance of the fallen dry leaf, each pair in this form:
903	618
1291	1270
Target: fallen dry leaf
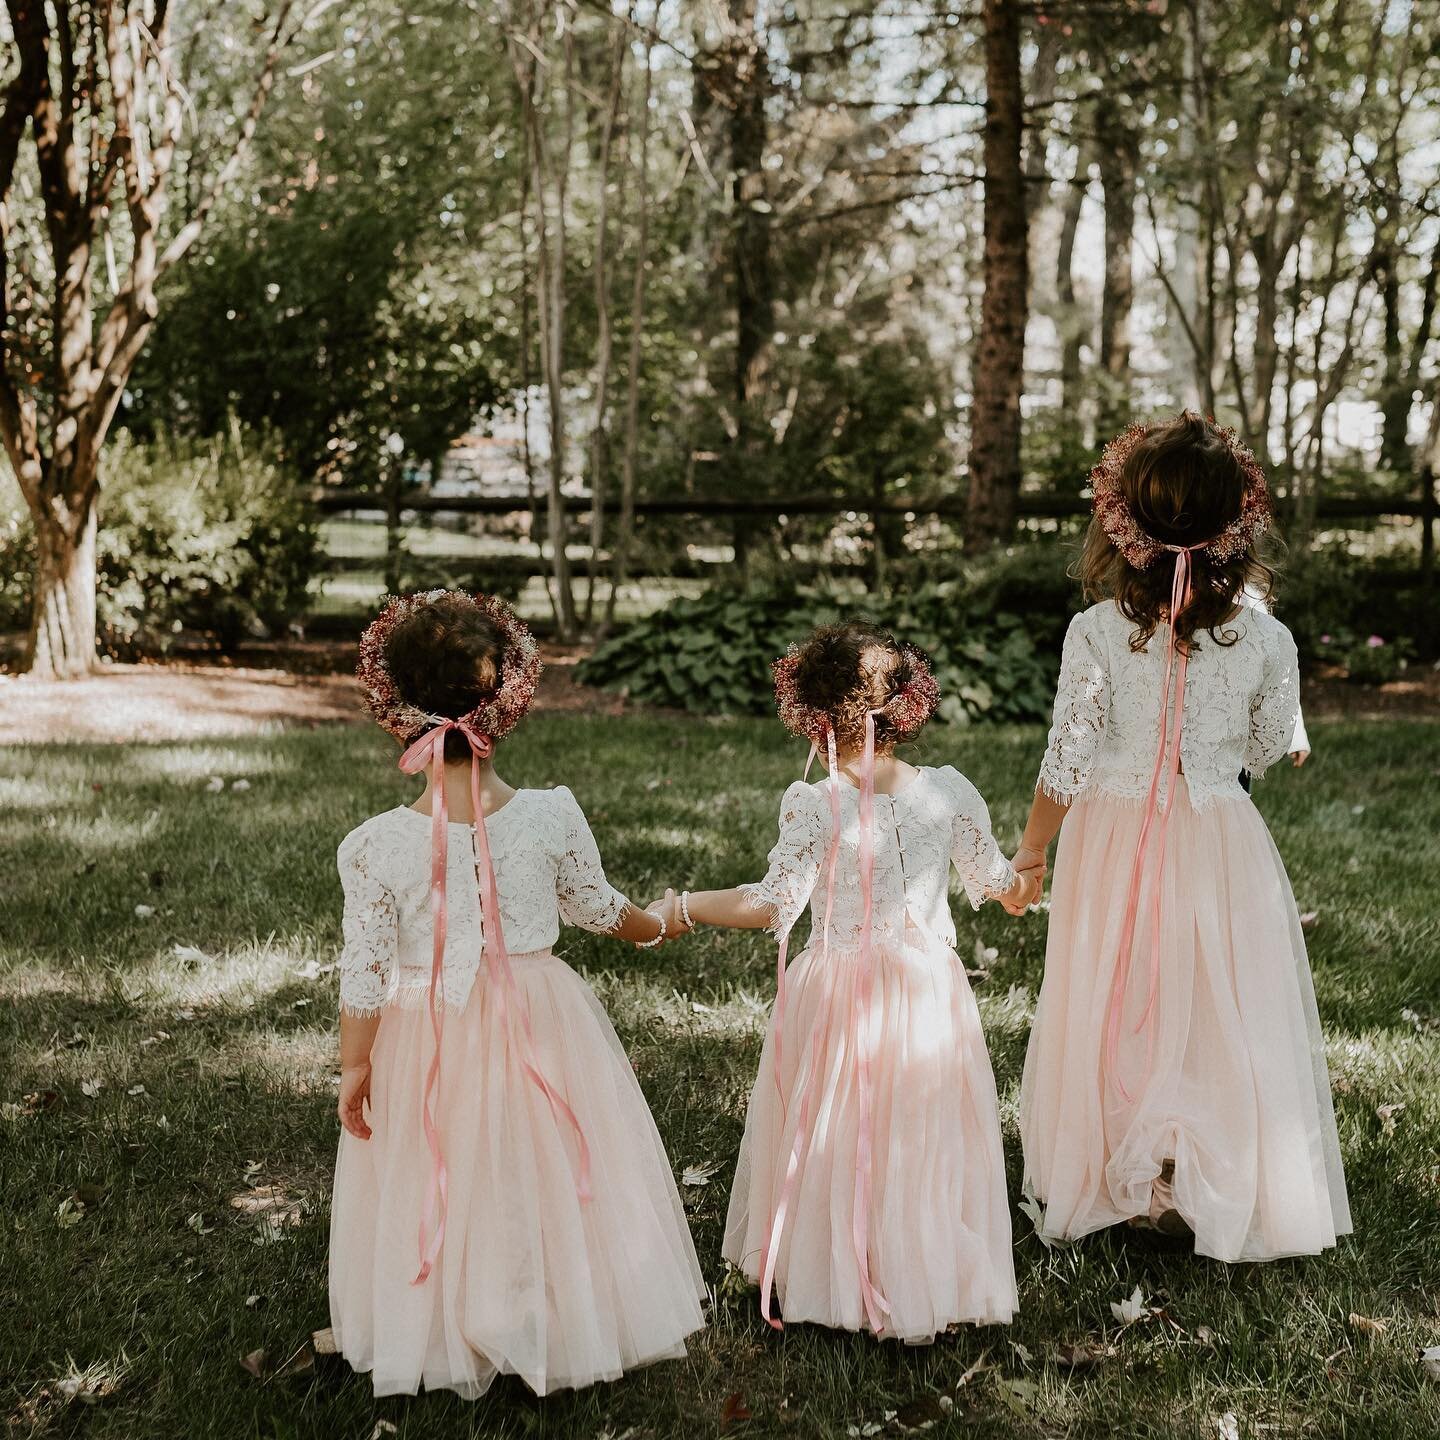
1309	919
1131	1309
91	1088
70	1212
1227	1426
256	1363
1366	1325
1430	1359
700	1174
1387	1114
734	1410
190	955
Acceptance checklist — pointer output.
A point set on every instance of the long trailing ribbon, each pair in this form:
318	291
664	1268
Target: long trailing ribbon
1167	759
860	1020
428	753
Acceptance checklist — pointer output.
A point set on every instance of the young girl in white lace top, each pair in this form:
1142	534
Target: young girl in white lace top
870	1189
1176	1071
502	1199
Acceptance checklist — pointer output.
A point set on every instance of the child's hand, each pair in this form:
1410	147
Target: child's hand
667	907
1031	860
1025	893
354	1097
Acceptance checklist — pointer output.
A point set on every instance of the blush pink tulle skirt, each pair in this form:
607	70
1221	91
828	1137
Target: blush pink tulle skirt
1235	1091
939	1222
529	1281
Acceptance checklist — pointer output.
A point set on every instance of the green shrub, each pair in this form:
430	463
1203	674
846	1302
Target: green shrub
712	655
211	536
1369	659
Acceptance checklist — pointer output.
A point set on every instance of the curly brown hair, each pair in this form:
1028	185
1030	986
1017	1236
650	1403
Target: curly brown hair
849	670
1183	484
445	660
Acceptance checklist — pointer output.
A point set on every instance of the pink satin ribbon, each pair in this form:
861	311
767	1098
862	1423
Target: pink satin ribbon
1167	759
861	1027
428	752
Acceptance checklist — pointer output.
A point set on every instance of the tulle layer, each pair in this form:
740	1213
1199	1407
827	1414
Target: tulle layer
1236	1089
530	1281
939	1222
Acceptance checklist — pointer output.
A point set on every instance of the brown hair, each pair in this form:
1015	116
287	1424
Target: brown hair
1183	484
848	670
445	659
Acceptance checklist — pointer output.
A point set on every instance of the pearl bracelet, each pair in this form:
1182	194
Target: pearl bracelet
685	909
651	944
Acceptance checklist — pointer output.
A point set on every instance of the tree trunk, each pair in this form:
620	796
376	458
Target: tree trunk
62	618
754	278
1118	158
1070	321
1000	354
625	526
1394	388
1183	299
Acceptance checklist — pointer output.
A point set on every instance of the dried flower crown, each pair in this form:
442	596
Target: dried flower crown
906	711
1135	543
496	716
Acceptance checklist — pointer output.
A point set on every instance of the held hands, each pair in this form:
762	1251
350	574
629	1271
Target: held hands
354	1097
1030	865
667	907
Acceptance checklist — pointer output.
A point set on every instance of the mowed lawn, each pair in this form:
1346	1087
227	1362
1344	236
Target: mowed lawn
164	1187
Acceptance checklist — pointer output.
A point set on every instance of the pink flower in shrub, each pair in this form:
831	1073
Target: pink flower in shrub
1374	642
1324	639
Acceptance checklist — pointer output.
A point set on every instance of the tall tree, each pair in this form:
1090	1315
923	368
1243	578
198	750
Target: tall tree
100	90
999	371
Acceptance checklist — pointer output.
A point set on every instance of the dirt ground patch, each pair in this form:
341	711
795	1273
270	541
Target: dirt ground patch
186	701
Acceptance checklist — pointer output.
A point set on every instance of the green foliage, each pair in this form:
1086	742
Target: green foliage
211	536
353	318
712	655
1333	592
1368	659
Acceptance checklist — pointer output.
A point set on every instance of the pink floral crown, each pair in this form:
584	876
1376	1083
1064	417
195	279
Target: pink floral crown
494	717
1135	543
906	711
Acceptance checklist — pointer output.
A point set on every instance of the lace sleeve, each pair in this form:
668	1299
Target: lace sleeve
1275	706
585	896
983	869
795	860
367	960
1082	706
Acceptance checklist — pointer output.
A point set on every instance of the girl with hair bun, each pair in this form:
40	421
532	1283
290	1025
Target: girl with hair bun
1176	1070
870	1190
503	1202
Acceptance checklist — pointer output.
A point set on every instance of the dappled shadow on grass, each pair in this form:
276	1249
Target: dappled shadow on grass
248	877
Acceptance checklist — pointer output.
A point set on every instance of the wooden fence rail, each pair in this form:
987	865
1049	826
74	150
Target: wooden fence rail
1030	507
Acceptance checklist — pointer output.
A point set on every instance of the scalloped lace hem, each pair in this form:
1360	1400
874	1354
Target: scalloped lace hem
415	994
1199	802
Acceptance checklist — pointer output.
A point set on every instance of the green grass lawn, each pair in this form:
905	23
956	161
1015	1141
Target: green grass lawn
143	1293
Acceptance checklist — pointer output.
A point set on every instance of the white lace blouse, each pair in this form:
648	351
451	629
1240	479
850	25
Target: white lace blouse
1241	704
547	869
937	820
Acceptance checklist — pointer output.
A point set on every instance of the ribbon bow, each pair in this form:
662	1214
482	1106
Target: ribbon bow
861	1027
1167	758
428	753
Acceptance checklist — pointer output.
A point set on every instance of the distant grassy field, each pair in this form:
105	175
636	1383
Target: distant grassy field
182	1060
